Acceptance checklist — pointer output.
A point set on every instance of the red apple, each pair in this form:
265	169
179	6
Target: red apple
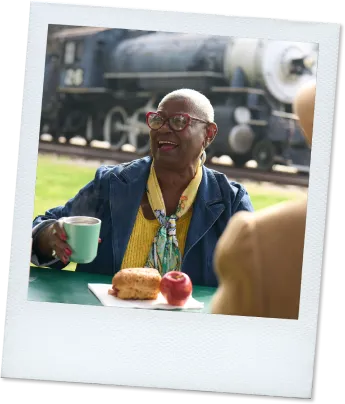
176	287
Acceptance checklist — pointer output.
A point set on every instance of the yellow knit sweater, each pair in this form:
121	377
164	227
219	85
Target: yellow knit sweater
142	236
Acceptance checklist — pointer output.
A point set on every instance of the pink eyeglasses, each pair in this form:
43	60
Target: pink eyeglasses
176	122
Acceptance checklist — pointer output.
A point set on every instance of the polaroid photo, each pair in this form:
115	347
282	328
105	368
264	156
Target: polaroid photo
171	198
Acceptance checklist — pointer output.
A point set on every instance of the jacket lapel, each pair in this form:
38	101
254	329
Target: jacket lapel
126	191
207	208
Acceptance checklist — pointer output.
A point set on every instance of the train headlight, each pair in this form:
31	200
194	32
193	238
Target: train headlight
241	138
242	115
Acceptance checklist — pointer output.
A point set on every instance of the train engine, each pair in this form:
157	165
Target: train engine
117	76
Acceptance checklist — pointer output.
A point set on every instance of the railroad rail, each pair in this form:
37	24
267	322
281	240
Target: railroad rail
119	156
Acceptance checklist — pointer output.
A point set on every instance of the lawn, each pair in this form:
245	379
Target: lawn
59	179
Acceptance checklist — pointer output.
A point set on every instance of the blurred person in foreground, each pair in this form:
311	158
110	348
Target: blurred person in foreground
166	211
259	257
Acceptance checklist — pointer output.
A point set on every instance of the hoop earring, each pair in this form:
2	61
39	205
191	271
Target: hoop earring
203	157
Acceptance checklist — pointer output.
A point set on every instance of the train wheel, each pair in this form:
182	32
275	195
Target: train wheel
113	130
264	153
139	134
143	138
143	145
239	160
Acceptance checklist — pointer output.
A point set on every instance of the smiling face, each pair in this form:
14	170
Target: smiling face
179	149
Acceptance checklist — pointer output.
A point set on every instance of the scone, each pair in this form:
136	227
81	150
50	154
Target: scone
136	284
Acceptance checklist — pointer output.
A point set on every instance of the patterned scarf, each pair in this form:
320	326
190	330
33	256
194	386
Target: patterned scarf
165	254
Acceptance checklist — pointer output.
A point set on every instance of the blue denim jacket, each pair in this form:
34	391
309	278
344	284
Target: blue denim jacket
114	196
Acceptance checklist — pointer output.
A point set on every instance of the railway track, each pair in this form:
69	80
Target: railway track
116	156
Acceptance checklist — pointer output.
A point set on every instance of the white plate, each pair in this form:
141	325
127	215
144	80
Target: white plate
101	292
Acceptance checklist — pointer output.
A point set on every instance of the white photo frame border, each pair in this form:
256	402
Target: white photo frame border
189	351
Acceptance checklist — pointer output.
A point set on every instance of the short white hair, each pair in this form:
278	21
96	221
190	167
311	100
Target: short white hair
202	103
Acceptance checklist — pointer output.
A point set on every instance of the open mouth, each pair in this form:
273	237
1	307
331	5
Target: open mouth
165	145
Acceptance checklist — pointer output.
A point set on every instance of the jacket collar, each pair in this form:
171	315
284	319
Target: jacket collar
127	187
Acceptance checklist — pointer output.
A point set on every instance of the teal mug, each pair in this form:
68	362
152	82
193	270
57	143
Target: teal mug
82	236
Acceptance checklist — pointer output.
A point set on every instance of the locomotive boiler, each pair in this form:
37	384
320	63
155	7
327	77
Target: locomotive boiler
116	76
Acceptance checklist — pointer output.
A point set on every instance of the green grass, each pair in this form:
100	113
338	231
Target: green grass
58	180
261	200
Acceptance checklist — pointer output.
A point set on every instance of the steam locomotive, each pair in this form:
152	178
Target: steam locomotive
99	84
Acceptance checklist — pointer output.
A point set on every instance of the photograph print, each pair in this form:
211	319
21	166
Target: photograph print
173	171
171	200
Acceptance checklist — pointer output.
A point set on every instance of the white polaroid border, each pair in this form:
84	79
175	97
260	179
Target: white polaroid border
72	343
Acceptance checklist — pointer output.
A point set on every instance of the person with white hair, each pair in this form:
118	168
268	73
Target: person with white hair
165	211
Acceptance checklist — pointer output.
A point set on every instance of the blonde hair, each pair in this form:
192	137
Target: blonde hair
202	104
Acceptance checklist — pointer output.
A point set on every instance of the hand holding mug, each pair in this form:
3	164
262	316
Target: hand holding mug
74	239
57	241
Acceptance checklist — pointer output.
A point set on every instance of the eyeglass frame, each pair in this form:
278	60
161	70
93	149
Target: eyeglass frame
189	119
